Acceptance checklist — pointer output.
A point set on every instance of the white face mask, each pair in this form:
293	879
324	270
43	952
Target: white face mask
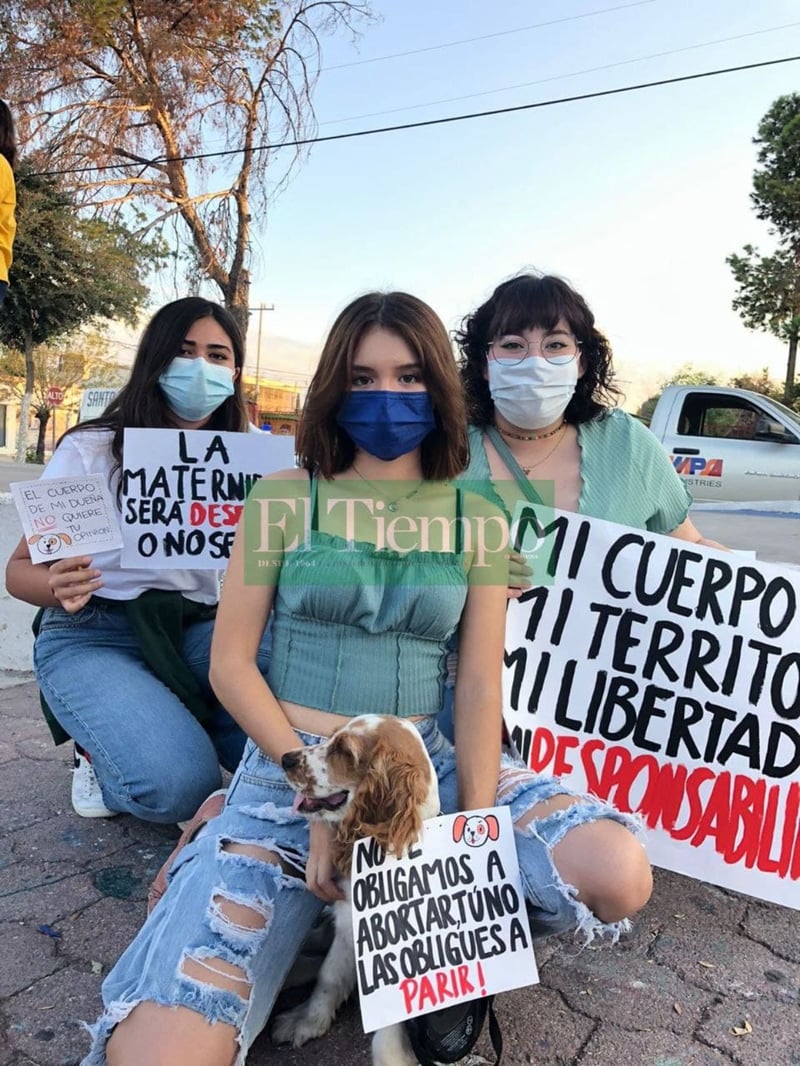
534	393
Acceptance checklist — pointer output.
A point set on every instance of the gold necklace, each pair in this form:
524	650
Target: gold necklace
527	469
531	436
391	505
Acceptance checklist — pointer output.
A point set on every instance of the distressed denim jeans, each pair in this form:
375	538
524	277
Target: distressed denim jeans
190	927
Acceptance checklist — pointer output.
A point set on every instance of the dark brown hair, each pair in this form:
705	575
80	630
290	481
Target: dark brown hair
530	301
323	447
8	143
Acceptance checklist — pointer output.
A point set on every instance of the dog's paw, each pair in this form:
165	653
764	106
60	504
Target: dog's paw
301	1024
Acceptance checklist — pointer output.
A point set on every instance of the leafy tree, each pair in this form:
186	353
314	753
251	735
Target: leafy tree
67	272
67	362
768	295
769	299
142	88
762	383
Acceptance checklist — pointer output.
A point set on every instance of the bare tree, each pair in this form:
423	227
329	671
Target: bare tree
149	91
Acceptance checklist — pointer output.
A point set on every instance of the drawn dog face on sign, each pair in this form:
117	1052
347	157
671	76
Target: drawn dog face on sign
49	543
475	830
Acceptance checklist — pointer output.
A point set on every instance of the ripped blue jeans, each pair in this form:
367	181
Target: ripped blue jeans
190	928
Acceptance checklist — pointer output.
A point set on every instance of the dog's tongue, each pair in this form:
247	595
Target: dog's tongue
311	804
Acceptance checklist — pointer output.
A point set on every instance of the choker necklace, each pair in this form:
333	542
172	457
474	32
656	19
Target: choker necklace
391	505
531	436
563	429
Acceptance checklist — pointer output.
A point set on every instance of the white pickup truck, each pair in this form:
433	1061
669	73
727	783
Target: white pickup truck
730	444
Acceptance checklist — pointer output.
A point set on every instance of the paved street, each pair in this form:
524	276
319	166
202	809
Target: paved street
706	977
701	966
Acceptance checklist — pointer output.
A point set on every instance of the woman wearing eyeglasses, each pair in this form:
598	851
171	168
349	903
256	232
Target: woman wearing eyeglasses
538	378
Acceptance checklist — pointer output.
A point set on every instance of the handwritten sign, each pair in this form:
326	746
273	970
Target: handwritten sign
65	516
444	924
184	490
665	678
94	402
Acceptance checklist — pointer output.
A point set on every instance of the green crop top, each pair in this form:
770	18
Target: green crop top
361	630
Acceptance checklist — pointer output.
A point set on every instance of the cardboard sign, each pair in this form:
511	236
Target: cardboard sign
444	924
184	490
94	402
664	677
66	516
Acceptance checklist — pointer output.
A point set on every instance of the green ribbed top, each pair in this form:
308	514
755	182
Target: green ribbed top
626	475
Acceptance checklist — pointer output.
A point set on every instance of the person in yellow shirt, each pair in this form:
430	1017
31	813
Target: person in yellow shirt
8	195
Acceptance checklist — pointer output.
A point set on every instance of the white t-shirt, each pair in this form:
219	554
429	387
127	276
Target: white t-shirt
88	451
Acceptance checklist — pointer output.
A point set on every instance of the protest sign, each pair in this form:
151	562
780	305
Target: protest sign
65	516
94	402
664	677
444	924
183	493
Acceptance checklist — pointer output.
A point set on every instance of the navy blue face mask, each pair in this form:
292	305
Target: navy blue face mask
387	424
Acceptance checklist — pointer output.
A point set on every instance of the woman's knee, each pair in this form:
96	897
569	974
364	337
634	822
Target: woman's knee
608	866
164	794
163	1036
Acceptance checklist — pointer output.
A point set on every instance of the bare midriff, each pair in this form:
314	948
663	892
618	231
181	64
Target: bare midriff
321	723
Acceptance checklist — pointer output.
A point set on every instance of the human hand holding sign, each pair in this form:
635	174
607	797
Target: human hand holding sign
519	575
73	582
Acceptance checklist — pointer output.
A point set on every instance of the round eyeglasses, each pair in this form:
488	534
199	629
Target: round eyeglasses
558	348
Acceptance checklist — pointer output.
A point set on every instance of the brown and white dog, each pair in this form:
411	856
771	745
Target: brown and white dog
372	777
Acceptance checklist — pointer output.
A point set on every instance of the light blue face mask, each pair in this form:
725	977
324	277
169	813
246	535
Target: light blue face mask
194	388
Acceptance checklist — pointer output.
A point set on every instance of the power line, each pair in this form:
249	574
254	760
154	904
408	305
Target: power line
485	36
560	77
303	142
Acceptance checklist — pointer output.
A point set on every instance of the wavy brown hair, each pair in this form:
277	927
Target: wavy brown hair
531	301
323	447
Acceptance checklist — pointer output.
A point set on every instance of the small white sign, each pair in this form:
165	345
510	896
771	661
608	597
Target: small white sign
94	402
445	924
66	516
183	492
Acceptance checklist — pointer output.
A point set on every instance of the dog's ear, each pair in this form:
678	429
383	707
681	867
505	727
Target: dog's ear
387	804
459	825
493	826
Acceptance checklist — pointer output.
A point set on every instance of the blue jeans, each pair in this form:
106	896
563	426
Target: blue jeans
152	757
189	923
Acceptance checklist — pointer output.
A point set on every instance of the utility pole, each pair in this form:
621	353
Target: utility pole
261	309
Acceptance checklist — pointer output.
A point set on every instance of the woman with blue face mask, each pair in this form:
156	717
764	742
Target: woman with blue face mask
122	656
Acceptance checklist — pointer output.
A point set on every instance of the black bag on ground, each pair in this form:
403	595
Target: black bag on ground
449	1034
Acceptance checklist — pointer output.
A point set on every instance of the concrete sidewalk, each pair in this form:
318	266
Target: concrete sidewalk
706	977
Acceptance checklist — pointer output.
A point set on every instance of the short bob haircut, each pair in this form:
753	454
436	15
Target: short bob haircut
323	447
141	404
536	301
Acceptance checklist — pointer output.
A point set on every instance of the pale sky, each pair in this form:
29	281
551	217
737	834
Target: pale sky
635	198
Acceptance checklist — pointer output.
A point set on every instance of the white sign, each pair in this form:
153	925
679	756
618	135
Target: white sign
66	516
664	677
94	402
446	923
184	490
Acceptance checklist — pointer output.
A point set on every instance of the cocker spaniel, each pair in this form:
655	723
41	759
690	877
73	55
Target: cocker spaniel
372	777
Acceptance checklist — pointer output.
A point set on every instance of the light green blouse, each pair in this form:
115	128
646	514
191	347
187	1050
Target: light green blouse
626	475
